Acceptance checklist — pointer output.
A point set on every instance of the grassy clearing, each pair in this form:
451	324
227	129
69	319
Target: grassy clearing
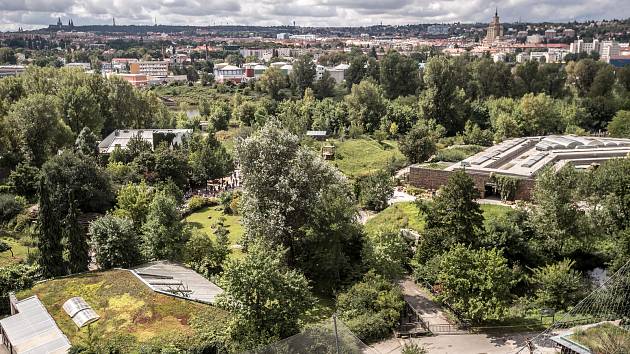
206	217
406	215
492	211
227	138
397	216
359	157
20	252
125	304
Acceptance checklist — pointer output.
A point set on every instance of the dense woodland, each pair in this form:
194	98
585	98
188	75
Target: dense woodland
303	243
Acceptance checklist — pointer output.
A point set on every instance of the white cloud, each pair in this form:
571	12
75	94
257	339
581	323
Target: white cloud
36	13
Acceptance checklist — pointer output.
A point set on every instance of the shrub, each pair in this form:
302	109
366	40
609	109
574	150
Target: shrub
413	348
374	191
198	202
371	308
415	191
10	206
14	278
4	246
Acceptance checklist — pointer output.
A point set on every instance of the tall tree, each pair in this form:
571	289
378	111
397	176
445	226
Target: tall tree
420	142
163	234
264	296
453	217
272	81
476	283
303	74
442	100
288	196
398	75
208	159
366	105
68	182
36	122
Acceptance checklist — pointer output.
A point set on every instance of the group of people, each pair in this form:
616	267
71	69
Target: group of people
217	186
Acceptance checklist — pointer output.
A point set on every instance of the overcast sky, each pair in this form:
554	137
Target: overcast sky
36	13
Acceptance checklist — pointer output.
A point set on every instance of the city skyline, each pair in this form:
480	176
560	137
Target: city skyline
31	14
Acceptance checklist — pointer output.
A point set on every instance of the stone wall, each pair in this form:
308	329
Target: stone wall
433	179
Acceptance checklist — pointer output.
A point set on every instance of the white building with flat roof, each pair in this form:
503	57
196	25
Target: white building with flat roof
30	329
119	139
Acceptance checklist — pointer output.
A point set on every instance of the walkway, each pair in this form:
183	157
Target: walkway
460	343
420	300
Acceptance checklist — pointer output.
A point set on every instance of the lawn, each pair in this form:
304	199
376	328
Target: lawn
125	305
405	215
206	217
20	253
359	157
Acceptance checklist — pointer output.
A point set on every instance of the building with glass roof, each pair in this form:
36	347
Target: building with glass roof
31	330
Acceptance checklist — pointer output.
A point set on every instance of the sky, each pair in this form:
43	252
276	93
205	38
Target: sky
31	14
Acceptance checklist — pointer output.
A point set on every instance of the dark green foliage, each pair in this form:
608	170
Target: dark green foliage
371	308
476	283
303	74
76	239
23	180
15	278
68	182
115	242
208	159
374	191
419	144
455	210
265	297
10	207
398	75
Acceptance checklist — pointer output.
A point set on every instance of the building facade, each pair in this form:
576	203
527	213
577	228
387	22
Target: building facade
150	68
495	29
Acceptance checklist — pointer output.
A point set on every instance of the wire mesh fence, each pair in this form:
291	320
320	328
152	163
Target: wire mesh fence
329	337
608	304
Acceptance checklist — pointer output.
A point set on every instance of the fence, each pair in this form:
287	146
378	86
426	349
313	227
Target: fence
329	337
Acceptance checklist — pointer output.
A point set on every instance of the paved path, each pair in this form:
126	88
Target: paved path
420	300
461	343
481	343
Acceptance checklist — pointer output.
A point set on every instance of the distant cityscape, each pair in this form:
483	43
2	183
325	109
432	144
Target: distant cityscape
179	46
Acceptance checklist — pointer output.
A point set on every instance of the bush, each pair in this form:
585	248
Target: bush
198	202
4	246
14	278
374	191
415	191
371	308
10	206
230	201
413	348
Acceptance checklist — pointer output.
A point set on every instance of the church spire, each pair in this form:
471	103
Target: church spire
496	12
